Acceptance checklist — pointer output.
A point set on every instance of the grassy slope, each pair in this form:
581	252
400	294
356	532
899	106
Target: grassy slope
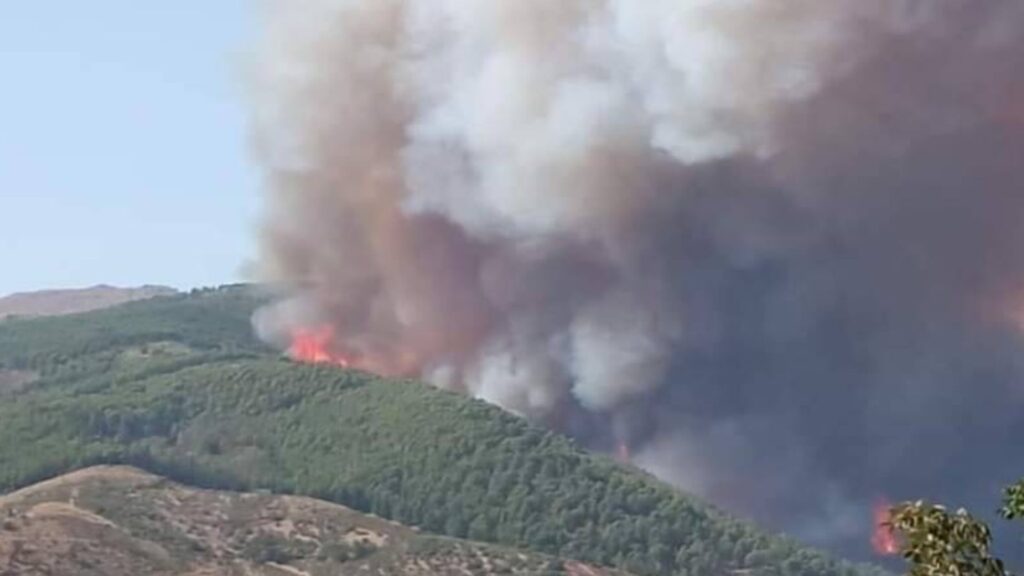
222	414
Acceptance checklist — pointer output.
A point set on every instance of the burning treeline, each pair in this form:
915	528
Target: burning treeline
777	248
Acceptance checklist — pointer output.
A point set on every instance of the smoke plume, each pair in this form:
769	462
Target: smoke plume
776	247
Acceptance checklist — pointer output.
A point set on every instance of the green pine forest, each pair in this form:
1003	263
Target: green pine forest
180	386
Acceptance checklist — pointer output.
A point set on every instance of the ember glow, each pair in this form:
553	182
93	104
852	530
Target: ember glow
315	346
883	538
622	453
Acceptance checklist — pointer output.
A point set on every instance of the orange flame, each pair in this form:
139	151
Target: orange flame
315	346
883	537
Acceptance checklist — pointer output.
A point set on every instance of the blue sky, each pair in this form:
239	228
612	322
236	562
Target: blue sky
123	155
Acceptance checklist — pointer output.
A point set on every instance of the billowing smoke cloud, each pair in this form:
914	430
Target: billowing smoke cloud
777	247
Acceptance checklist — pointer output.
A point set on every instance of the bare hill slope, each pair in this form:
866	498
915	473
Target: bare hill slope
60	302
120	521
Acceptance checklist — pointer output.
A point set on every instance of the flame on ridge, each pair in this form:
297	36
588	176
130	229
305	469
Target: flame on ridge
315	346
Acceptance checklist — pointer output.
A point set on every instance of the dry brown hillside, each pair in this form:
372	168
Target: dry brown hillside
120	521
58	302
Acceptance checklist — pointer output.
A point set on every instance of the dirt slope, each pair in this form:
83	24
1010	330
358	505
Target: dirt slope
59	302
119	521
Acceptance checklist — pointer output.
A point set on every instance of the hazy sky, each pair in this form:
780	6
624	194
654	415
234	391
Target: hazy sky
123	157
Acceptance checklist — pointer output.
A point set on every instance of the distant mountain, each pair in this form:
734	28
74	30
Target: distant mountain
180	387
59	302
121	521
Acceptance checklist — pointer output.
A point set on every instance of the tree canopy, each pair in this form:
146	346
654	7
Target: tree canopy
938	542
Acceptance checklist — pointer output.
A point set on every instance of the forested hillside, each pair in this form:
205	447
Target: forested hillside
179	386
163	333
210	319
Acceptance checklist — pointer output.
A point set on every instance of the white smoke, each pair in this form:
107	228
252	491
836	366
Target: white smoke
670	213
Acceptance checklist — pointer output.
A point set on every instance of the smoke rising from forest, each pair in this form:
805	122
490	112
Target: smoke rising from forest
775	247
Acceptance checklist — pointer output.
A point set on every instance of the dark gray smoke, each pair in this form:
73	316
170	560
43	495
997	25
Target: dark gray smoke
775	247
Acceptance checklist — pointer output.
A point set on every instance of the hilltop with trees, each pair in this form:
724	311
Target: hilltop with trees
179	386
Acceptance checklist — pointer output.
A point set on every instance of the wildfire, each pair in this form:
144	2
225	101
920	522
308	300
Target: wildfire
315	346
883	537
